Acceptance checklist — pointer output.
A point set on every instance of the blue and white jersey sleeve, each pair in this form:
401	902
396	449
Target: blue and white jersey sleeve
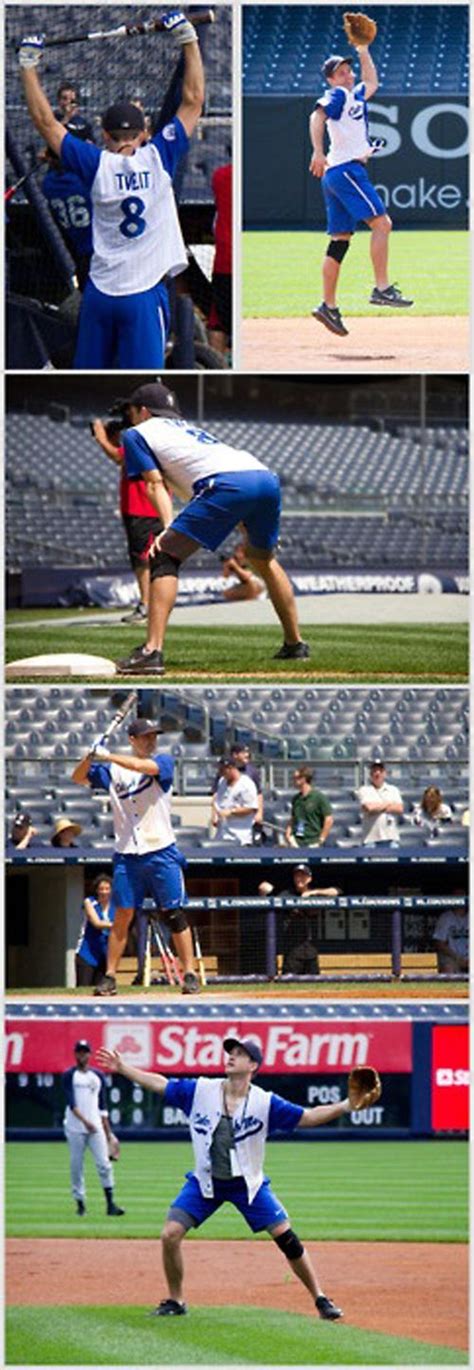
99	776
138	456
165	765
180	1094
284	1116
171	142
332	102
83	158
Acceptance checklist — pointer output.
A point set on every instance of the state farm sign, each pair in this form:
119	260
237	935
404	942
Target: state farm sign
181	1048
450	1079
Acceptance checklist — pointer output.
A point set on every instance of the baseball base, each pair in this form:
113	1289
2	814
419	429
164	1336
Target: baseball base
60	664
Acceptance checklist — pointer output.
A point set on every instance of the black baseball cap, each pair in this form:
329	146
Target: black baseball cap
377	761
248	1044
156	397
142	726
21	820
305	869
332	63
123	117
82	1045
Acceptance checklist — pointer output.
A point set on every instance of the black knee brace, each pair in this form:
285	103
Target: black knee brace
337	249
176	919
163	565
290	1244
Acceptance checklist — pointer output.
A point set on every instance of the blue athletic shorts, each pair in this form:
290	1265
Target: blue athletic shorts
349	197
220	502
157	875
265	1211
128	331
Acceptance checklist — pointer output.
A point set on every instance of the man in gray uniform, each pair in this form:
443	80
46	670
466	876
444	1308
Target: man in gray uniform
86	1124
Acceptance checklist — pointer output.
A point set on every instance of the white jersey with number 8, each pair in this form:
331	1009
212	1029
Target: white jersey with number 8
134	209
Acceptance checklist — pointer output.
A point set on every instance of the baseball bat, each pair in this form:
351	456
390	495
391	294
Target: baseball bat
147	963
199	959
118	717
11	191
206	16
166	959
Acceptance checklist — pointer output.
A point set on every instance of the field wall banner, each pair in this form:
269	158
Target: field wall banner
421	173
179	1048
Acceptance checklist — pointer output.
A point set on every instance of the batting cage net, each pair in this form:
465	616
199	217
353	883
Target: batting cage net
272	904
43	258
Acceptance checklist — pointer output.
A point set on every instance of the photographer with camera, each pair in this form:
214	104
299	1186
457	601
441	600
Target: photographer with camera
144	514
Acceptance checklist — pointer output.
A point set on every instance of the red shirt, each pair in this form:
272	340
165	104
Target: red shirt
133	496
222	191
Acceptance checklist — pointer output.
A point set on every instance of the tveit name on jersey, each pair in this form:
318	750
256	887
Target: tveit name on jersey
132	180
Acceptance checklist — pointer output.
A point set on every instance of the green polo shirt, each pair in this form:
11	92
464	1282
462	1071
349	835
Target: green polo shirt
308	815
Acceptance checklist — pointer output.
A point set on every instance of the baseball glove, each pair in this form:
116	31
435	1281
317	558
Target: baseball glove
363	1087
359	29
113	1147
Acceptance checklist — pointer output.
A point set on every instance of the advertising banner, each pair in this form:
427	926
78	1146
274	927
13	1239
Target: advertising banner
180	1048
450	1079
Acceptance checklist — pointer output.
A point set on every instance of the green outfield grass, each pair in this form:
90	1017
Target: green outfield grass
412	653
281	273
418	1191
209	1336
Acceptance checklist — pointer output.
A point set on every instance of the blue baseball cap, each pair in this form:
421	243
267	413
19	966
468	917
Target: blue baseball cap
248	1044
332	63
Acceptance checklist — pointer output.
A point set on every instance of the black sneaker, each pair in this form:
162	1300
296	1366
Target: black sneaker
113	1211
137	614
138	980
81	1208
190	984
331	319
108	985
141	662
292	651
327	1309
391	296
169	1308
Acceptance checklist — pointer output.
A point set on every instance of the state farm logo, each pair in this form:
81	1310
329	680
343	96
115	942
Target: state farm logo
132	1040
284	1048
446	1076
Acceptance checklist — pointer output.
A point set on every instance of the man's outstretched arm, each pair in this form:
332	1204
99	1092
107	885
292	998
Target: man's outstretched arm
38	104
113	1061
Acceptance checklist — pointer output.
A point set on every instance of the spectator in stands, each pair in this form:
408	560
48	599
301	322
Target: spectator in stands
300	952
432	811
241	754
248	585
22	834
91	950
451	939
64	833
141	517
381	805
220	317
68	107
311	816
234	805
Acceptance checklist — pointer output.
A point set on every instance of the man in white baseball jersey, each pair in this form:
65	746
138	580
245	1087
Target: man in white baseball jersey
147	862
223	486
348	192
381	804
230	1120
137	239
234	805
86	1125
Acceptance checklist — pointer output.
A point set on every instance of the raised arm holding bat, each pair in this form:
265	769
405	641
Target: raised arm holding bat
124	314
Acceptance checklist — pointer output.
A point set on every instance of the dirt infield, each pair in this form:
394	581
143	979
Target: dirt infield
377	345
376	1283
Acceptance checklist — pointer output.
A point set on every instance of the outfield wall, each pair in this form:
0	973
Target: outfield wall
421	173
421	1053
